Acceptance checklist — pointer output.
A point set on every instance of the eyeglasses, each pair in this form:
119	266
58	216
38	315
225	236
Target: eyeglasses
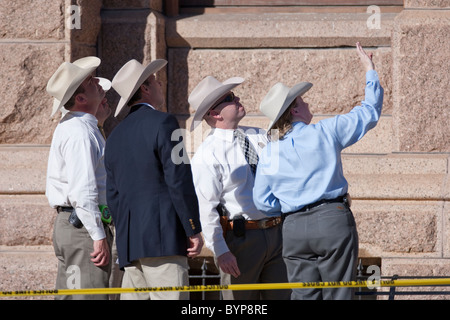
229	98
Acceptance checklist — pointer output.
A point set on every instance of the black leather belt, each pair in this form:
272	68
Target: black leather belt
341	199
65	209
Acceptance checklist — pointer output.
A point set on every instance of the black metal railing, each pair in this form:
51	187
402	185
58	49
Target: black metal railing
425	290
207	276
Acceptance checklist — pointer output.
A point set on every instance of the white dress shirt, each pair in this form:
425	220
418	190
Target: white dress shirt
222	175
76	175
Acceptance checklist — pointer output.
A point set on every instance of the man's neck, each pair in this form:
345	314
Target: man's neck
85	109
227	125
145	101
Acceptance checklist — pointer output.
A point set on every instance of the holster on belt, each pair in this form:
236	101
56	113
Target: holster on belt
239	224
224	214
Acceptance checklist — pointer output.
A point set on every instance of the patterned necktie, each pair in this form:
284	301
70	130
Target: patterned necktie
249	151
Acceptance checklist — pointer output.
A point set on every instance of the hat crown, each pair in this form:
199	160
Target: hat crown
273	101
202	90
58	84
131	76
126	77
278	99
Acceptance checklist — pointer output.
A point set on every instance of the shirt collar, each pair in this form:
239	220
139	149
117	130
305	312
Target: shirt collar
298	124
224	134
89	118
144	103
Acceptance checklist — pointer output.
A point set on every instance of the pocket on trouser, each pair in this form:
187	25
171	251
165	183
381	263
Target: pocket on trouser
335	218
295	235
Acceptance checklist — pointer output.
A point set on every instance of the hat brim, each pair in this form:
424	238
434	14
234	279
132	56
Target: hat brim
211	98
297	90
104	83
152	68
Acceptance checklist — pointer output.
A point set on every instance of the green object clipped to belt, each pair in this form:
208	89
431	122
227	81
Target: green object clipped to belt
106	215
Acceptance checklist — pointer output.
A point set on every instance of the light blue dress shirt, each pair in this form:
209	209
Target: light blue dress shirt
306	165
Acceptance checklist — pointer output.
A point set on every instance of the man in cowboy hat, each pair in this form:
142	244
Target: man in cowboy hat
246	244
151	198
104	110
320	240
76	180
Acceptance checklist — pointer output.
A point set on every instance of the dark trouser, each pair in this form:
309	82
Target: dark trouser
321	245
75	269
259	259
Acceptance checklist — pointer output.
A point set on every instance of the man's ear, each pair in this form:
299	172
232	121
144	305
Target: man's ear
81	98
212	113
143	87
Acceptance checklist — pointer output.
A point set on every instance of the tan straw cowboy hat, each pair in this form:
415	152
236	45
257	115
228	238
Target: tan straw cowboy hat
67	78
131	76
206	93
278	99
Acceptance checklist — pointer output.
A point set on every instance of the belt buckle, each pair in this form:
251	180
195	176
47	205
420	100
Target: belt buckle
262	224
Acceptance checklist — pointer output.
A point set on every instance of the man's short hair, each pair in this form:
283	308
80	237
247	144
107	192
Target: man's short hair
71	102
137	96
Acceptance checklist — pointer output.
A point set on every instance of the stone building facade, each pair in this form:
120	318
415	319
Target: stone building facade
398	174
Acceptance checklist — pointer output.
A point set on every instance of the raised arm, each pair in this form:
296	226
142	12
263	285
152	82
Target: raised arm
366	59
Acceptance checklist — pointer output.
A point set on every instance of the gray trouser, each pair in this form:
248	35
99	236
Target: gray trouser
75	269
259	259
321	245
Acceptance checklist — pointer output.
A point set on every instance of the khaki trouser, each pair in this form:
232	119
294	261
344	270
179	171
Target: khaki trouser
115	280
75	269
169	271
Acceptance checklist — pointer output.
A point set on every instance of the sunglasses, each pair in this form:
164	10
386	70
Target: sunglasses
229	98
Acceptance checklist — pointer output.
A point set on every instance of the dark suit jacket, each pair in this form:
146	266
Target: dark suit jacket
152	200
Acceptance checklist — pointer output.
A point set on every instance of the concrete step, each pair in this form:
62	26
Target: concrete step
370	175
278	30
27	268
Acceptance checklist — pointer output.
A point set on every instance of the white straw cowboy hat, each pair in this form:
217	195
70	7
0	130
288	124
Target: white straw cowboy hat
206	93
67	78
131	76
278	99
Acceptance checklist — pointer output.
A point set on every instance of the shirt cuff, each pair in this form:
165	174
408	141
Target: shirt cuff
220	248
372	75
97	233
93	225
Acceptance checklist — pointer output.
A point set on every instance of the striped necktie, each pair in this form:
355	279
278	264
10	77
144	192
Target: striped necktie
247	148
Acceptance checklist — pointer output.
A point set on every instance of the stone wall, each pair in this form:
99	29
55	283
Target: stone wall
398	174
35	38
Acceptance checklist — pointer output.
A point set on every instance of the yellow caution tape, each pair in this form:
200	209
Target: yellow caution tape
237	287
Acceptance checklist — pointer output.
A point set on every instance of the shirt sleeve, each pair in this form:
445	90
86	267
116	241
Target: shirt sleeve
209	188
263	196
351	127
81	160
